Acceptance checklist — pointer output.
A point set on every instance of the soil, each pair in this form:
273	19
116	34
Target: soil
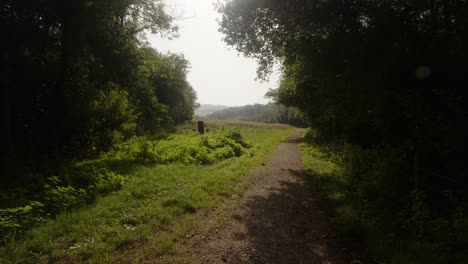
275	217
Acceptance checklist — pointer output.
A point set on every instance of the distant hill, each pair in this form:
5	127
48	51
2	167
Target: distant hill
207	109
269	113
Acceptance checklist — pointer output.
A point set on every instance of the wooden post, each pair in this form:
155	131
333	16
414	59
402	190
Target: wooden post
201	128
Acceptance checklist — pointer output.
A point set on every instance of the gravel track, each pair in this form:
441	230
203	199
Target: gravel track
277	219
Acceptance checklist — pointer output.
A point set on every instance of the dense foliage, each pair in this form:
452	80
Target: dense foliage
212	147
382	81
357	182
269	113
78	77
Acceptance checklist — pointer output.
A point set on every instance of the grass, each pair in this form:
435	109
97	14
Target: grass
156	206
326	173
380	236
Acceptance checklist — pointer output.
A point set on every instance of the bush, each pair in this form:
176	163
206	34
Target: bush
113	117
55	194
185	148
18	218
58	197
94	179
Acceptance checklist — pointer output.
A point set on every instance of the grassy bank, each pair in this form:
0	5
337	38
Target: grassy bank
354	200
155	206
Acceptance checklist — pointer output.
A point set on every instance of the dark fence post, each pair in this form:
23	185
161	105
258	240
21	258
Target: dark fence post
201	127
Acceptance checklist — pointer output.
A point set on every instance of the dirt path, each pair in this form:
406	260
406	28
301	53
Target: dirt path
276	220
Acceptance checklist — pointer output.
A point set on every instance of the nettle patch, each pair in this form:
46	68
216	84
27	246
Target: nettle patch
24	207
189	148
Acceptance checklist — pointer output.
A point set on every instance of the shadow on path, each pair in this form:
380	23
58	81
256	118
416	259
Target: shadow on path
287	226
277	219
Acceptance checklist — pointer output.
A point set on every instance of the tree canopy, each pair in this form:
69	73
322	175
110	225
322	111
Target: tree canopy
78	76
383	76
385	73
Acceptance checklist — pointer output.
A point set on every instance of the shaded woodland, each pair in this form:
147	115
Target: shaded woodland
78	77
382	84
85	100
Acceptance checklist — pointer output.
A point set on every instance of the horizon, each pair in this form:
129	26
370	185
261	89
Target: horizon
236	105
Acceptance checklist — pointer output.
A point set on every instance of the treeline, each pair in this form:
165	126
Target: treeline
382	82
78	77
269	113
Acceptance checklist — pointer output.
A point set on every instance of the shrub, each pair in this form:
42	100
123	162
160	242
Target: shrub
18	218
224	153
113	117
193	148
58	197
54	194
94	179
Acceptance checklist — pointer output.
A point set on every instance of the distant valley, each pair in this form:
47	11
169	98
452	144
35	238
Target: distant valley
206	109
269	113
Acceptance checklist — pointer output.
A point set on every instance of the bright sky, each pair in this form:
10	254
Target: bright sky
219	74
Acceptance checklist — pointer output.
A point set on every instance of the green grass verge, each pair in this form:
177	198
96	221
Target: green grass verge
155	207
353	223
327	175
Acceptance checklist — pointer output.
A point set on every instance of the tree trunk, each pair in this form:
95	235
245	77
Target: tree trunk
447	18
6	115
57	110
433	10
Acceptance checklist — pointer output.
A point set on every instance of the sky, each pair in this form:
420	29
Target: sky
219	74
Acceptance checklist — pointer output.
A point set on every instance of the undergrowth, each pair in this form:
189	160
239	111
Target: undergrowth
186	148
135	201
395	226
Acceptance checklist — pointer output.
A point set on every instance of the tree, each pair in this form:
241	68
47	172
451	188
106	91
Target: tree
384	76
67	64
